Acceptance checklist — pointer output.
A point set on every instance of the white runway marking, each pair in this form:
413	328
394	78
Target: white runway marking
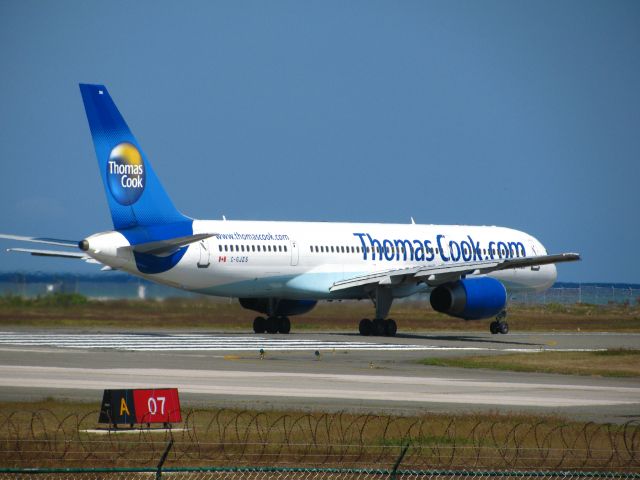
208	342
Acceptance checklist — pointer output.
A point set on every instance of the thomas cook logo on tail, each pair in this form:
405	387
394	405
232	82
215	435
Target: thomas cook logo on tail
126	173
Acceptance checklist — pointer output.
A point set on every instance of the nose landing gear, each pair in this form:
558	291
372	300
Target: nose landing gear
499	325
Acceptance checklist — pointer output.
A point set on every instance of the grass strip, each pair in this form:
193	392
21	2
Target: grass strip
53	433
208	313
608	363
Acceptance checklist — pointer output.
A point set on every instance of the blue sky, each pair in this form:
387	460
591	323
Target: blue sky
523	114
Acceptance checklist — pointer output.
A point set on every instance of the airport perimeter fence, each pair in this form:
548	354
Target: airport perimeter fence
265	473
126	287
589	294
247	445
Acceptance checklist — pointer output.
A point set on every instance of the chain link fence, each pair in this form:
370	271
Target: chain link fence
588	294
258	473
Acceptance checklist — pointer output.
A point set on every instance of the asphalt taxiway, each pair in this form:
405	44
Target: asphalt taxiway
330	371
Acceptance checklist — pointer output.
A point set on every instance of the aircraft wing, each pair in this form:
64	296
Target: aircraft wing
447	273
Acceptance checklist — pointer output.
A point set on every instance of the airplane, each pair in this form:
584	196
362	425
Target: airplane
281	269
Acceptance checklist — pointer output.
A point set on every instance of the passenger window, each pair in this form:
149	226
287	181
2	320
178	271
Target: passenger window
331	248
220	247
225	248
253	248
279	248
342	249
285	248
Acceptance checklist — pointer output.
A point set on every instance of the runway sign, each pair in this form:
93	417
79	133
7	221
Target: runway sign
140	406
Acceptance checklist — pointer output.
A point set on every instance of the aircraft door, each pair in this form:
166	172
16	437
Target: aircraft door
204	260
295	254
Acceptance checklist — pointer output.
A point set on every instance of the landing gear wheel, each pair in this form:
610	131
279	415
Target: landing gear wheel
284	325
365	327
494	327
503	327
272	325
379	327
259	325
390	327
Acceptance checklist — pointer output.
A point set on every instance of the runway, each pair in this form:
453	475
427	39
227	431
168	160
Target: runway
313	385
312	371
142	342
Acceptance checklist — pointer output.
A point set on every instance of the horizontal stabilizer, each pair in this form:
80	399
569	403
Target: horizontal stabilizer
51	253
162	247
48	241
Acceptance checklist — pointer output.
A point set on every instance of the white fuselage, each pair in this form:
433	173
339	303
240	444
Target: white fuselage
302	260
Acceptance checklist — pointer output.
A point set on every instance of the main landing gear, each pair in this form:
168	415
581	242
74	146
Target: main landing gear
272	325
499	325
378	327
382	299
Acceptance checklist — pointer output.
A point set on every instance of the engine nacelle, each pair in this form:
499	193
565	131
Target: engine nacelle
284	307
471	298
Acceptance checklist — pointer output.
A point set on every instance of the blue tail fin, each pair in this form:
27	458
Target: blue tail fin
136	197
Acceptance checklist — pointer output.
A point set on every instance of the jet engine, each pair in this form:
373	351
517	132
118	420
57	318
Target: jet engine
470	298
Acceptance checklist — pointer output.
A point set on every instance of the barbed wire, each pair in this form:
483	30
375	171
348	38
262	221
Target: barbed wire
247	438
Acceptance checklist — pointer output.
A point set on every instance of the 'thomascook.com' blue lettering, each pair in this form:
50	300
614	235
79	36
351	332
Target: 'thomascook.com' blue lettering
467	250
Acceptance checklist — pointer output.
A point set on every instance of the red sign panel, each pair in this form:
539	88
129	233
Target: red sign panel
157	406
